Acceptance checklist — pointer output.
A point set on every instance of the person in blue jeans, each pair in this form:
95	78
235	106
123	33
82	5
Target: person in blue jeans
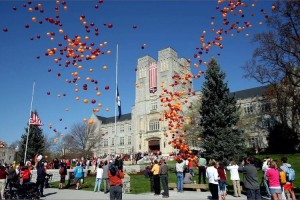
99	175
180	165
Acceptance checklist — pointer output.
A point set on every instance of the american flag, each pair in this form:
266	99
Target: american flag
35	120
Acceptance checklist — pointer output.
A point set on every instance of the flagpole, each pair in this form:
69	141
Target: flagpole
28	130
115	136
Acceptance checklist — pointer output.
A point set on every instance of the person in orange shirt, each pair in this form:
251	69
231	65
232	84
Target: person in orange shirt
191	166
115	180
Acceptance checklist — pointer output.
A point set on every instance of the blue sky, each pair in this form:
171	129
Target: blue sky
160	24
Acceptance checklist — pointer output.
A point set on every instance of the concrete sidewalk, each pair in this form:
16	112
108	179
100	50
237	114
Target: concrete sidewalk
54	193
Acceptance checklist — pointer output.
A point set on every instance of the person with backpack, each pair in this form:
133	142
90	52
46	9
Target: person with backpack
63	172
115	180
273	178
290	177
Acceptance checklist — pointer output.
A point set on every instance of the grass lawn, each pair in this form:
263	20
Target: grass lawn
140	184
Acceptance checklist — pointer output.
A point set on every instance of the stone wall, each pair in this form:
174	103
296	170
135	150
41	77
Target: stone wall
56	175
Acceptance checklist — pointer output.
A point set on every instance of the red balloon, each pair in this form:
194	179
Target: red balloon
107	87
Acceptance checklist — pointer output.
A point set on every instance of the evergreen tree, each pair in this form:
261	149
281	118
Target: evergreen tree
36	142
221	138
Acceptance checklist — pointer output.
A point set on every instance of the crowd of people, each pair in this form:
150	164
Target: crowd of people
276	178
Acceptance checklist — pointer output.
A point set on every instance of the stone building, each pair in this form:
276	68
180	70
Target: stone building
141	130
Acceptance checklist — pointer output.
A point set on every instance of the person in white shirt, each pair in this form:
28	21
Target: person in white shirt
179	173
235	178
213	177
99	175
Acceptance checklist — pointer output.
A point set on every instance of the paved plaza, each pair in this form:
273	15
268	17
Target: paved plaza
54	193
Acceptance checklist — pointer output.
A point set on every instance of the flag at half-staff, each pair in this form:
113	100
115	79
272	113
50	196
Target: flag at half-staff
35	120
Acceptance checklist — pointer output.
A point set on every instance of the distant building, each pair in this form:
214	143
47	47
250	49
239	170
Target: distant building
6	154
141	130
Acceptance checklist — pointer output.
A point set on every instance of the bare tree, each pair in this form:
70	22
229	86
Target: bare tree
278	53
82	139
276	61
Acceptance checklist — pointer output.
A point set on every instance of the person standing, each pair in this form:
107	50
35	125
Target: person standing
164	178
180	165
250	178
156	180
272	176
105	177
11	177
115	180
63	173
78	171
213	178
99	175
235	178
202	169
41	177
3	174
222	180
289	185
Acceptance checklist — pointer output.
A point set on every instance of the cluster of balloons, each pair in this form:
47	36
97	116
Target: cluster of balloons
173	100
233	17
70	52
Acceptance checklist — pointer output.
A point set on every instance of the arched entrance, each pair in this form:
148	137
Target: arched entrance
154	145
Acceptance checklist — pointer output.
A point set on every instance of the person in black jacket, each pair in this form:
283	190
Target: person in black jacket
41	176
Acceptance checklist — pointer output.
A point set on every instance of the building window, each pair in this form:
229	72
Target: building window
122	128
140	146
129	150
105	142
129	127
154	125
121	140
248	108
121	150
129	140
153	105
265	107
112	141
253	142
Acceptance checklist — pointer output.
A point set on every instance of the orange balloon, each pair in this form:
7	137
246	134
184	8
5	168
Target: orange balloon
85	100
105	67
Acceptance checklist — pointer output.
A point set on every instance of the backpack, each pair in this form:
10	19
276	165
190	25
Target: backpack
290	174
282	177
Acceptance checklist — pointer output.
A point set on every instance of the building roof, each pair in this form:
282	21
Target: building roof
109	120
250	93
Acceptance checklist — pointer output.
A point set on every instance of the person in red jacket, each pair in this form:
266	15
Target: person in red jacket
115	180
222	180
